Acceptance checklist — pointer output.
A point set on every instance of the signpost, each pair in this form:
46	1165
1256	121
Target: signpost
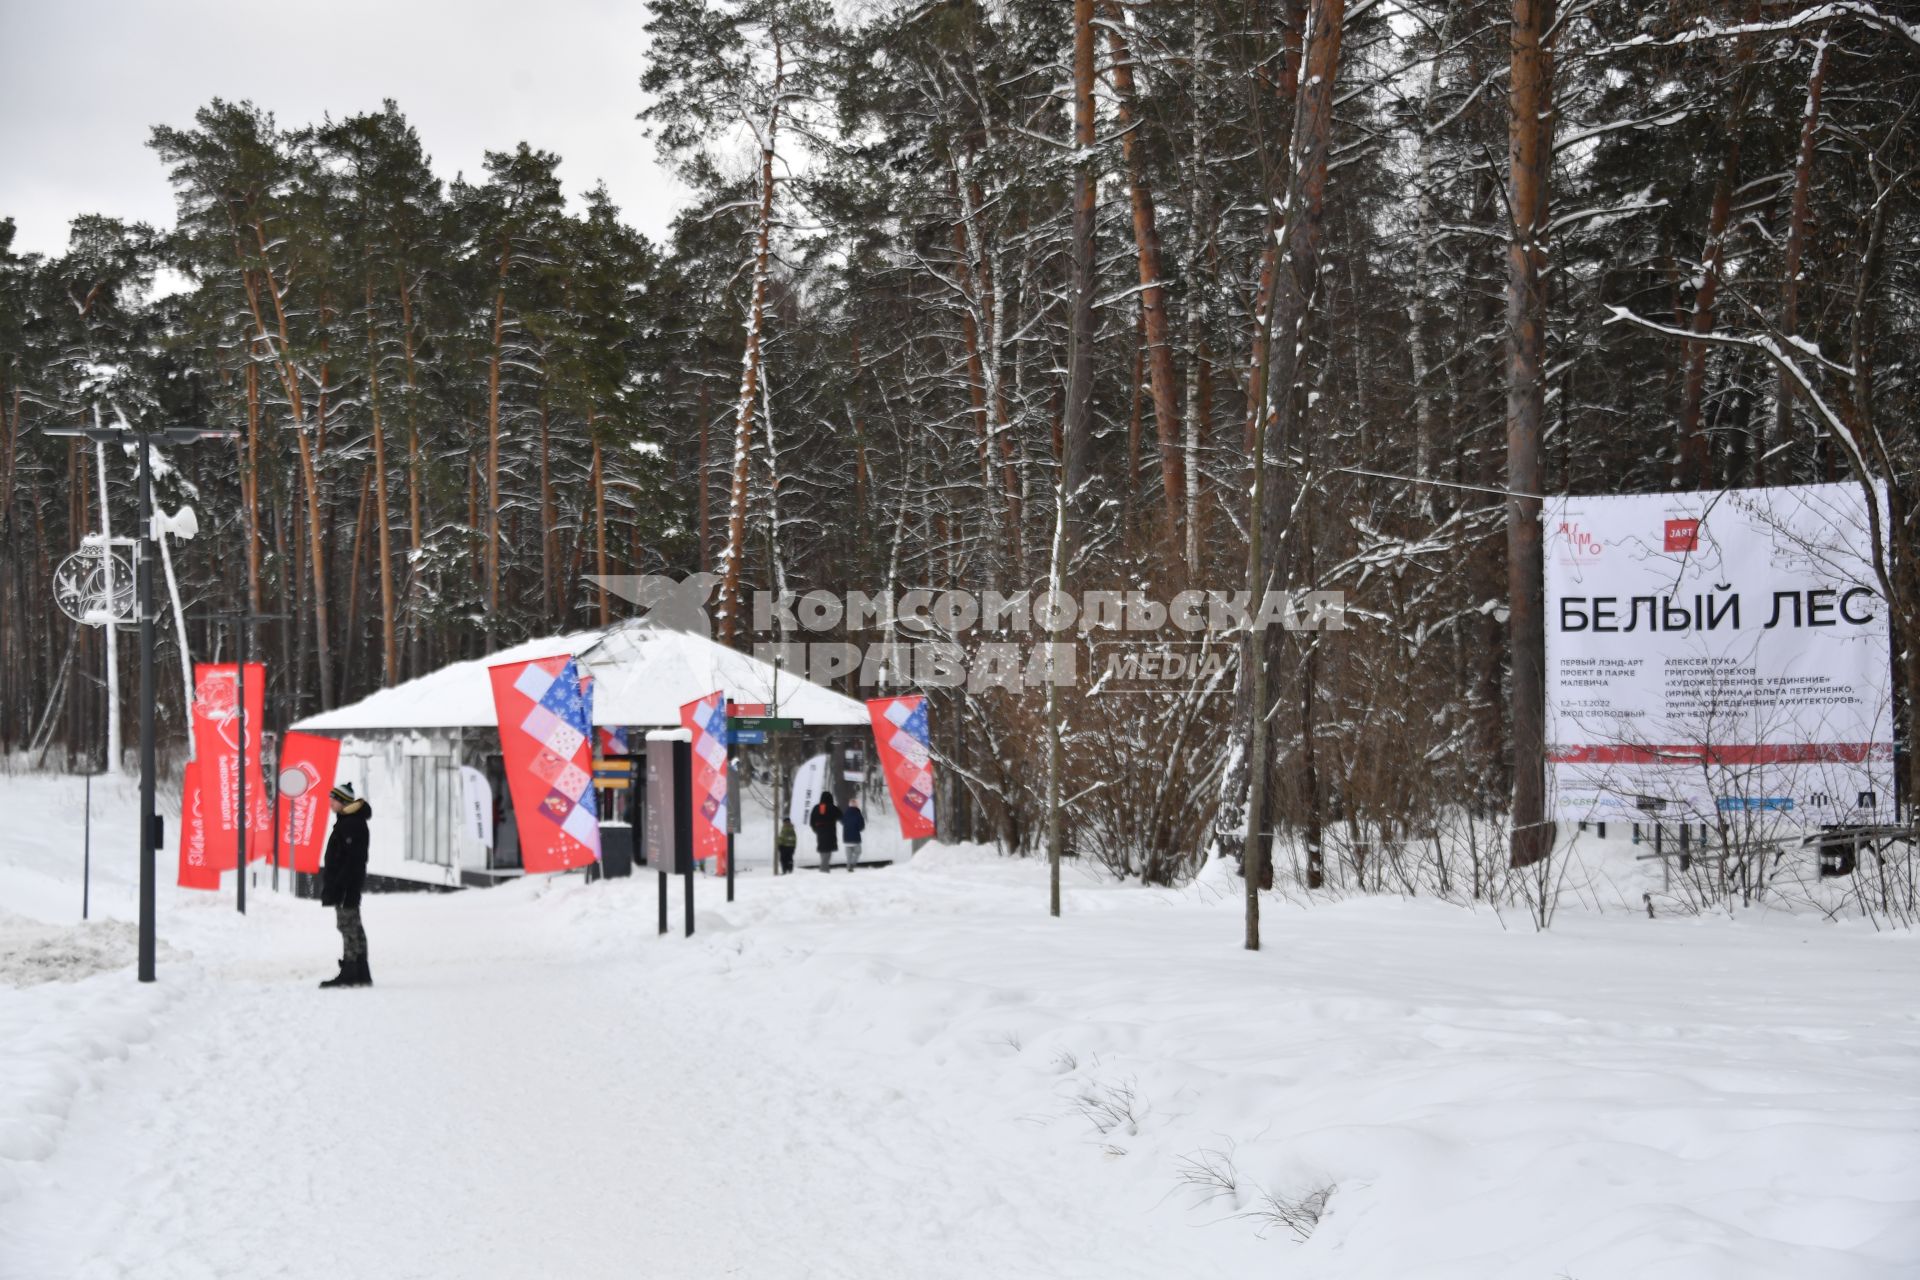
748	725
291	783
764	724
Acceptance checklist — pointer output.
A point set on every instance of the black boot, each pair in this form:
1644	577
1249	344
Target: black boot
342	978
362	976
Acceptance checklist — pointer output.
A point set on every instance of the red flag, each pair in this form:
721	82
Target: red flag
303	818
706	718
545	742
196	872
216	743
900	732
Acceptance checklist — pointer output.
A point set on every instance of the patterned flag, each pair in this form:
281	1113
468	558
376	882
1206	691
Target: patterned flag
706	719
613	742
900	732
545	726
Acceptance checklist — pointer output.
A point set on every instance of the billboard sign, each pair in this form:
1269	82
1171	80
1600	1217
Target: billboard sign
1718	655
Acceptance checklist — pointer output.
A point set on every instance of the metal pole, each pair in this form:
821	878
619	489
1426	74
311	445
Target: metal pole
663	904
240	810
689	879
733	801
86	850
144	577
279	745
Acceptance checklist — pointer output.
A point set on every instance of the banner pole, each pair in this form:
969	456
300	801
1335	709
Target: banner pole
731	800
663	904
240	823
276	816
689	879
86	852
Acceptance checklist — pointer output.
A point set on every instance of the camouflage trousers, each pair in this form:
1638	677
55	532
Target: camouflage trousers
353	938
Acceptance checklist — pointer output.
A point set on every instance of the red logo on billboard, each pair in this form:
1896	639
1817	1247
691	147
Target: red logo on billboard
1683	535
1579	543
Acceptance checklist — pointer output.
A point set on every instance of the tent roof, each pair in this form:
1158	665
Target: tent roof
641	677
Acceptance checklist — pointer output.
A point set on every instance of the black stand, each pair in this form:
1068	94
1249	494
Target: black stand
663	904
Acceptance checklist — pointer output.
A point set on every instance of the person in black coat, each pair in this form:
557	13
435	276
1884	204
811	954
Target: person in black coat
825	821
342	877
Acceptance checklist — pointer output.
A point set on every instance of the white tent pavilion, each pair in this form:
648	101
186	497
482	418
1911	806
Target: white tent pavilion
403	748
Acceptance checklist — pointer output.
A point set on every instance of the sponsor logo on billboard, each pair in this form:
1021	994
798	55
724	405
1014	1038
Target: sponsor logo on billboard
1578	546
1683	535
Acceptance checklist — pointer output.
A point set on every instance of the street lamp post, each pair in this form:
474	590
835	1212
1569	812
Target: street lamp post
144	438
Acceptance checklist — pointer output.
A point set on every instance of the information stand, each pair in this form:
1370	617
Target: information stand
669	816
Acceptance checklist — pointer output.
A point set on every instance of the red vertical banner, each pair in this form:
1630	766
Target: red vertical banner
545	743
216	750
706	719
303	818
196	871
900	733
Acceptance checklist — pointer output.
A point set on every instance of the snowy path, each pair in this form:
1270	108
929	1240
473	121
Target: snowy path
525	1109
913	1072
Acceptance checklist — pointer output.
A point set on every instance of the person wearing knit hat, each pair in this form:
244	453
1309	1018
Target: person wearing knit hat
343	875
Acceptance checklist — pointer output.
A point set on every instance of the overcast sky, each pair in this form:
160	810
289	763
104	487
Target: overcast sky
84	80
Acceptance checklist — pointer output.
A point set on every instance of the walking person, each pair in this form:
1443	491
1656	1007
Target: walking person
784	844
852	824
825	821
342	876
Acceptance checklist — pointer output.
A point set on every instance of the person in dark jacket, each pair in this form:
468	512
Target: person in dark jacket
852	824
825	821
342	876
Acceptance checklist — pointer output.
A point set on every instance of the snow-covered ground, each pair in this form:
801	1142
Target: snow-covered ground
914	1072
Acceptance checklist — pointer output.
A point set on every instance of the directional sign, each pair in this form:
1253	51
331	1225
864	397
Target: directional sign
746	737
770	724
746	709
613	775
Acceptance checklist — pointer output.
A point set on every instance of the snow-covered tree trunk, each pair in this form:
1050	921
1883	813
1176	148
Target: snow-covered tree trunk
493	425
731	558
1153	296
389	647
1529	169
1419	297
1795	249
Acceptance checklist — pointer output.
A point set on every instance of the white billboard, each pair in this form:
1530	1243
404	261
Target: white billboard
1718	655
